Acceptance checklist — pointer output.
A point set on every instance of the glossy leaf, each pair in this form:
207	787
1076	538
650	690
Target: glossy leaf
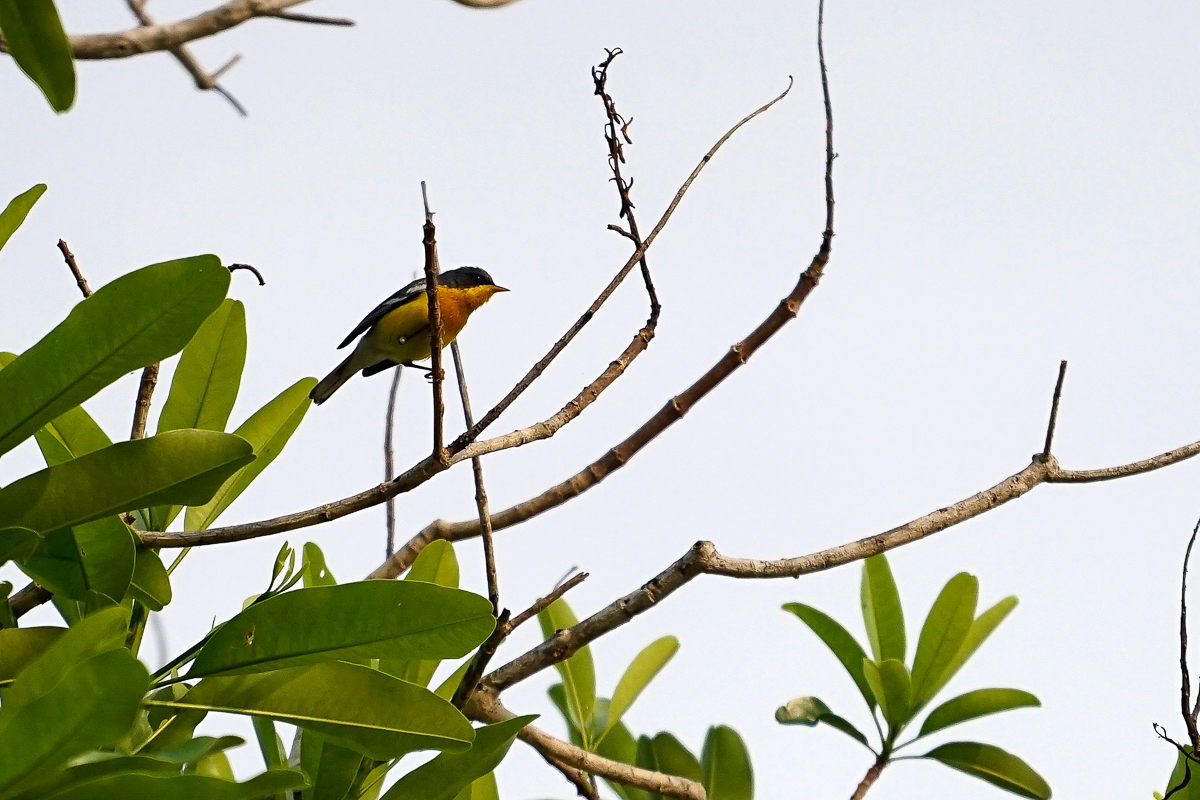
990	763
179	466
200	747
134	786
19	646
449	773
331	767
205	384
267	431
837	639
577	672
34	36
89	637
150	584
645	665
108	764
407	619
17	543
809	711
316	573
348	704
671	757
981	629
72	434
481	789
881	609
972	705
18	208
435	564
892	687
139	318
942	636
726	764
97	556
93	706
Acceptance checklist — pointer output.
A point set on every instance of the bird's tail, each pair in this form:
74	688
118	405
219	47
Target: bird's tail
334	380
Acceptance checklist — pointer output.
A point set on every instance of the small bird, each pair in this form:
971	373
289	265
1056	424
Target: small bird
397	331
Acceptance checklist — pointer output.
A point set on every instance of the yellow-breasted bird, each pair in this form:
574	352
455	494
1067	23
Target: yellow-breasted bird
397	331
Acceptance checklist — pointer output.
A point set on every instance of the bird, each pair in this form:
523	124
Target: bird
396	332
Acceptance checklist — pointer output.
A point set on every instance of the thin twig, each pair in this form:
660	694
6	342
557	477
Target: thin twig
234	267
1058	386
141	408
504	627
869	779
437	374
481	499
203	80
1189	757
313	19
578	779
69	257
389	462
1189	717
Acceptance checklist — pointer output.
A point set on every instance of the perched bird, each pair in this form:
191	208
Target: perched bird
397	331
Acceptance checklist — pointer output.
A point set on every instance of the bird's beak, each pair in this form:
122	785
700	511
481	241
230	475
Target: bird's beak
499	289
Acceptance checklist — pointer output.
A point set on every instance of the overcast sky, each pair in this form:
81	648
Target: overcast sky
1017	184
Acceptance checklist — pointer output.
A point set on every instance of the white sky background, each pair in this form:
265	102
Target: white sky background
1017	184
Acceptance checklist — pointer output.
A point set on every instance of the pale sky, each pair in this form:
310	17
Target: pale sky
1017	184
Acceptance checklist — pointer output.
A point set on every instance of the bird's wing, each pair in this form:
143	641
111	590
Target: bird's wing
406	295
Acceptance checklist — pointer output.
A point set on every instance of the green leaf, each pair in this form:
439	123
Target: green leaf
93	706
332	768
838	639
108	764
205	384
448	774
671	757
448	687
407	619
981	629
990	763
193	750
17	543
17	209
481	789
97	556
139	318
179	466
214	765
637	677
34	36
945	629
74	433
267	431
972	705
1183	770
435	564
348	704
892	686
89	637
726	764
316	573
150	585
881	609
577	672
19	646
809	711
134	786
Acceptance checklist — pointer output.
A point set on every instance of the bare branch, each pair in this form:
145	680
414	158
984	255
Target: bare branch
484	3
29	598
1124	471
69	257
141	409
341	22
486	707
1058	386
481	501
461	448
1189	717
203	80
543	603
437	374
869	779
389	461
